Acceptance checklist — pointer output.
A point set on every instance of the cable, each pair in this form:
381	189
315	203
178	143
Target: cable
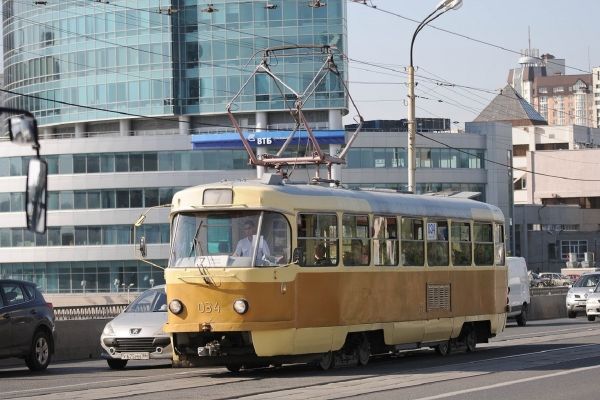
466	36
446	84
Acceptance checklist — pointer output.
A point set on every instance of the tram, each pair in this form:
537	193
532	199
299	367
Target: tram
267	272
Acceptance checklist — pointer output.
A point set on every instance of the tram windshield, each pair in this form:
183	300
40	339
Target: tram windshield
230	239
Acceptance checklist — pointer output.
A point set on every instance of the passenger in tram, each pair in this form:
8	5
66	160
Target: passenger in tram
244	245
321	257
357	255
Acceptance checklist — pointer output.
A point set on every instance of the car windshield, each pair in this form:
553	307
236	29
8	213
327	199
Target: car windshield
153	300
587	281
233	239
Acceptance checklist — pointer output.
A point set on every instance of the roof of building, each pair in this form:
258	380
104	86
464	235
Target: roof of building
562	80
510	107
567	82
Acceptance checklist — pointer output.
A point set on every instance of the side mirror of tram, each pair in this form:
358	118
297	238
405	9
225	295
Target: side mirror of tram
36	195
22	129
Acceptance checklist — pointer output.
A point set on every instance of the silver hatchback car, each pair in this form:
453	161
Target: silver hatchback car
137	333
579	292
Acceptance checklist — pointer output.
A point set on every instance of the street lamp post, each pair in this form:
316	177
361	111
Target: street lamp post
443	6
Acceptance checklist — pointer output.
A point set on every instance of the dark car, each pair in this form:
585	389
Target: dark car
27	328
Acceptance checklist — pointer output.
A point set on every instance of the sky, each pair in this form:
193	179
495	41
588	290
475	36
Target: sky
565	29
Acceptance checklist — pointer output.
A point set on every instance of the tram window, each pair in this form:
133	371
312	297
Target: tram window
461	243
412	242
484	243
356	243
499	244
437	243
385	240
317	240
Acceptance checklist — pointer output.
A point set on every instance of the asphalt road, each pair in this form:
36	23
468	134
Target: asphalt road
551	359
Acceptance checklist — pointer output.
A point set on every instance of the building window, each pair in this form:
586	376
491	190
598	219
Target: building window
578	247
543	108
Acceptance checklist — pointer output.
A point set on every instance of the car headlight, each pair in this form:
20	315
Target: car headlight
176	306
108	330
240	306
570	295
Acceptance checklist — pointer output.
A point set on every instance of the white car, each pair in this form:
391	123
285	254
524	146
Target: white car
137	333
519	297
592	304
579	292
556	279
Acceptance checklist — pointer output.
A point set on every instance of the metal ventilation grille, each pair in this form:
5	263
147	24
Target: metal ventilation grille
438	297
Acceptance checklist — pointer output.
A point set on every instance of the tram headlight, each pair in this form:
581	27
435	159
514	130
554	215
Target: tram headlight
176	306
240	306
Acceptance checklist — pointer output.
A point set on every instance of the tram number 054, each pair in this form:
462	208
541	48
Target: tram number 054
208	307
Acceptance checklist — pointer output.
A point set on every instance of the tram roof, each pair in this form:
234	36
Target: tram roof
353	200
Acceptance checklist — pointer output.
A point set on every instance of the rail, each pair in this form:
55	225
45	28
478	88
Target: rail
88	312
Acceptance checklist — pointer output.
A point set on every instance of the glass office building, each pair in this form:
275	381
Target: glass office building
118	88
162	58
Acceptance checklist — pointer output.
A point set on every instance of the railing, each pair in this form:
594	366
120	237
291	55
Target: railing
549	290
72	135
88	312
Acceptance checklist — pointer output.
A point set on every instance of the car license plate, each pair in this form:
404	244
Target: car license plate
135	356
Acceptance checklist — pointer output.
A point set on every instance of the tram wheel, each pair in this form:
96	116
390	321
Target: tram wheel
327	361
233	367
471	340
443	349
363	352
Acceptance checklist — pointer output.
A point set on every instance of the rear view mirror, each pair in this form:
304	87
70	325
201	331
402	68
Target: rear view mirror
22	129
36	195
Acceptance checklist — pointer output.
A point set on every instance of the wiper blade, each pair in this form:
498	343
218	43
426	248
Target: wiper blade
195	239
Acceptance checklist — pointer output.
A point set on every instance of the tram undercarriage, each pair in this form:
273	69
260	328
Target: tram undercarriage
235	350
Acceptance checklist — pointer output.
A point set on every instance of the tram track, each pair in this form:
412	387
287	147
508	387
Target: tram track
528	351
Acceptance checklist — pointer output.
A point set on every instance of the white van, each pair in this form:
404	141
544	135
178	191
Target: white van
519	297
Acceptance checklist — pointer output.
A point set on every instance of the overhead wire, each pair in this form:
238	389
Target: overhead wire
445	84
480	41
590	119
162	118
211	36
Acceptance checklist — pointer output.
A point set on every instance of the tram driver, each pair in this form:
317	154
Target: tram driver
245	245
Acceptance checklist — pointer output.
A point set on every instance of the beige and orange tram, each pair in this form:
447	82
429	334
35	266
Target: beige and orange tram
262	273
